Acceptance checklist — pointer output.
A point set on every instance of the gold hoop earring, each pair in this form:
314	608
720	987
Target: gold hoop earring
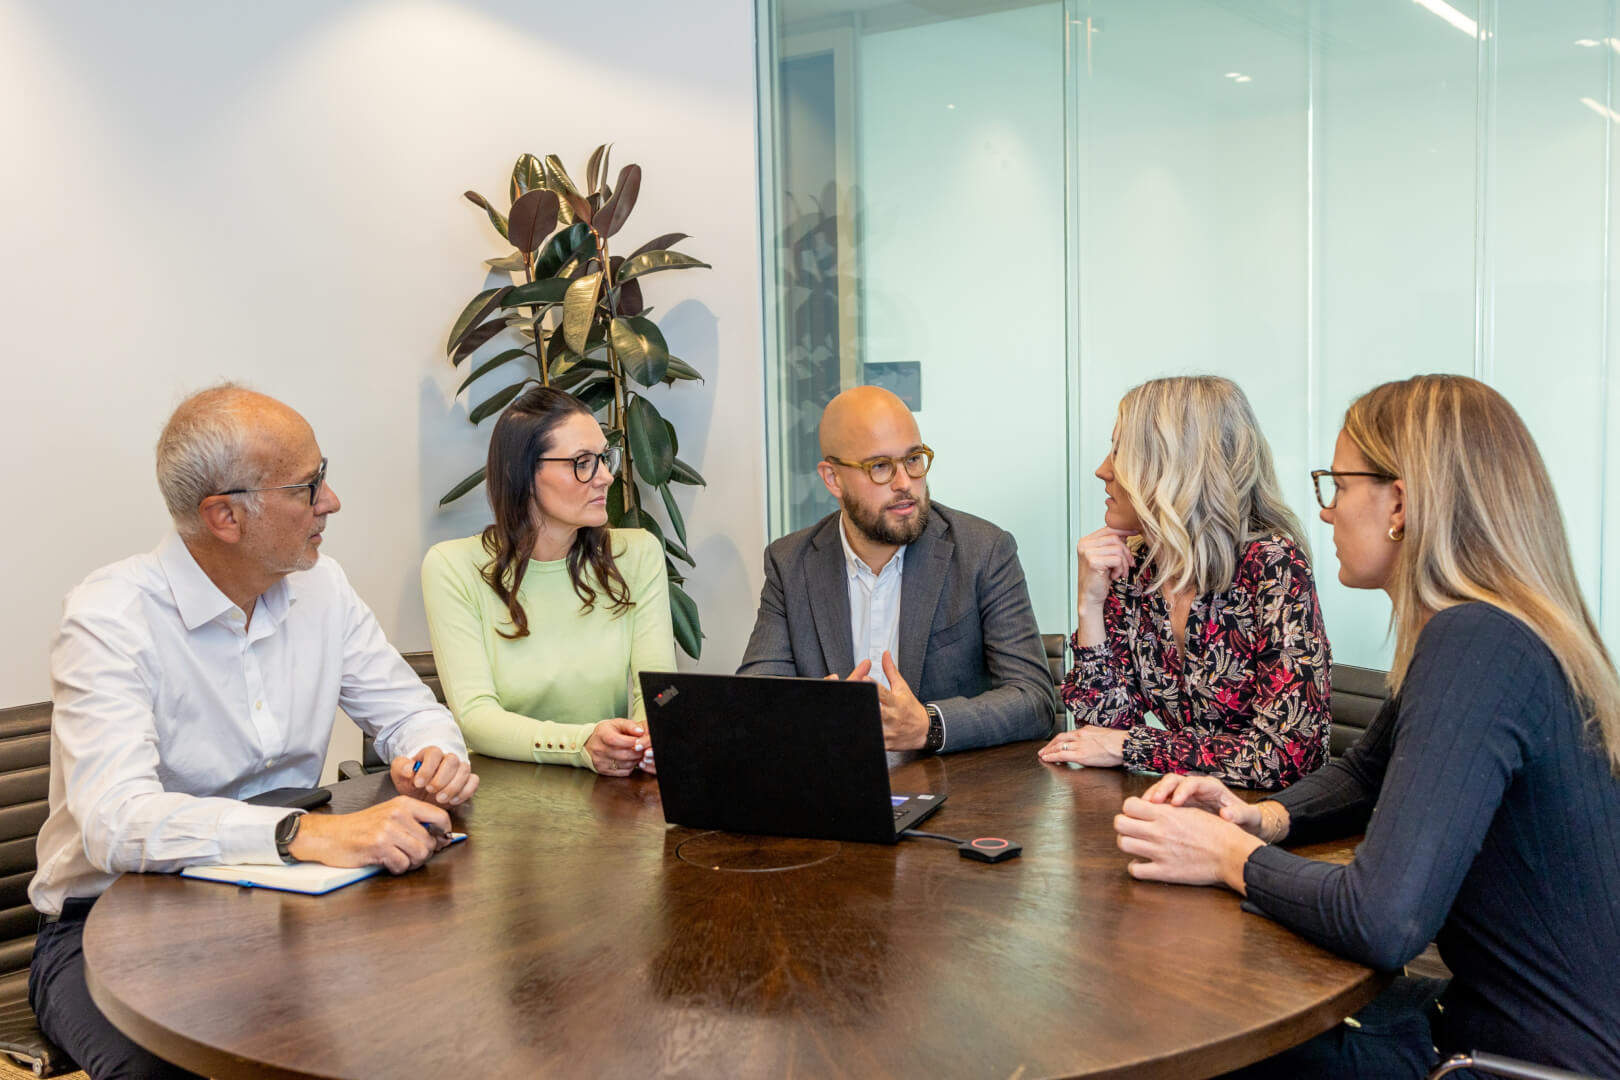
1397	537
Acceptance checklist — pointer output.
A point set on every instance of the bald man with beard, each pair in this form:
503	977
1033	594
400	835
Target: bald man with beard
928	602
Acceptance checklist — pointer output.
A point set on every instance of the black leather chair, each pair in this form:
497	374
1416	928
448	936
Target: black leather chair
25	776
370	762
1052	645
1358	694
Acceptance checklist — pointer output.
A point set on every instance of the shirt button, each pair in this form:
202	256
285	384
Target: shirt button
269	762
258	704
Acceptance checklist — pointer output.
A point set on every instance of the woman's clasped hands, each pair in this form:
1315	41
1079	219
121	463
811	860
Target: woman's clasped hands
1190	830
618	747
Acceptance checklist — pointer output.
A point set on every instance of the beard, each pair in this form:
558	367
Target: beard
875	527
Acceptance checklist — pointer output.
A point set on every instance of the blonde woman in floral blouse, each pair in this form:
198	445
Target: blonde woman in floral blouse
1196	602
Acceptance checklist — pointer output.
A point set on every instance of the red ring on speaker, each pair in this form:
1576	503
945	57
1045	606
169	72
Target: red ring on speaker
988	841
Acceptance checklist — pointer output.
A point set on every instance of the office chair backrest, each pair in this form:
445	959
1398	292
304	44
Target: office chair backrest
1358	694
25	780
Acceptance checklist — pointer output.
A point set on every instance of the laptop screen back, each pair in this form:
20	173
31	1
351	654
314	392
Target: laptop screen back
788	757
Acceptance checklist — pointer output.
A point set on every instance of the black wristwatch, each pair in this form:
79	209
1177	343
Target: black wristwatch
286	831
936	729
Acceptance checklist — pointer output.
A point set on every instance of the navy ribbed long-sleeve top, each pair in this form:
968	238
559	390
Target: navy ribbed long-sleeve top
1492	826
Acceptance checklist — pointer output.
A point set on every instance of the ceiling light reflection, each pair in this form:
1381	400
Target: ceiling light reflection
1452	16
1601	109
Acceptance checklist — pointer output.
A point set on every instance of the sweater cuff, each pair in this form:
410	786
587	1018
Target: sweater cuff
563	744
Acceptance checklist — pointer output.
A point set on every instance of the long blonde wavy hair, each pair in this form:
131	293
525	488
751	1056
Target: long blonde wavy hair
1482	523
1190	457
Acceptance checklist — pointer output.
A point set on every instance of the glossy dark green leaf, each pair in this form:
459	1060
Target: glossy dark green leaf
615	503
496	218
512	263
593	167
541	291
462	488
641	348
682	473
674	440
559	175
647	521
579	308
573	379
533	218
473	314
680	369
660	243
672	571
497	401
597	395
683	613
476	338
676	521
616	211
629	301
527	175
649	441
491	364
678	551
650	262
563	246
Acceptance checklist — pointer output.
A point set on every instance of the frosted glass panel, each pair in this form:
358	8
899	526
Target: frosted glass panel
961	185
1049	203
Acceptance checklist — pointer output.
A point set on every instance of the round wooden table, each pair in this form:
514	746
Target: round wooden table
575	933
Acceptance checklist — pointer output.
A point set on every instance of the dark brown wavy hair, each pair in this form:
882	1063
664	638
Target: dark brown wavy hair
522	436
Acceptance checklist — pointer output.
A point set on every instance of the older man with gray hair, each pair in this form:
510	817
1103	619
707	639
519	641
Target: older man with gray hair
208	671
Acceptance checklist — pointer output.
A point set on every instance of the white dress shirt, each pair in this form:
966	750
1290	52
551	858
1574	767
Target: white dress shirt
874	606
169	708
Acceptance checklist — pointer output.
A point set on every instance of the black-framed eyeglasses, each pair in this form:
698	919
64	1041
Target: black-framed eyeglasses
586	464
314	486
881	469
1327	488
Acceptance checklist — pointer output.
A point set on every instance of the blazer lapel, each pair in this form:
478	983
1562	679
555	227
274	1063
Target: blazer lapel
921	582
827	579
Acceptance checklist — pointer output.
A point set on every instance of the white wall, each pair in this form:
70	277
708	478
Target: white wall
271	193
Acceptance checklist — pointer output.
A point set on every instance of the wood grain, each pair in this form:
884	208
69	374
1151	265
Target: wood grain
567	937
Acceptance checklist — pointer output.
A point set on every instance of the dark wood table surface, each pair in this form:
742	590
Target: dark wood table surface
575	934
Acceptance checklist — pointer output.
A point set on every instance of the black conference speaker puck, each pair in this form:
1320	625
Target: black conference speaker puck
989	849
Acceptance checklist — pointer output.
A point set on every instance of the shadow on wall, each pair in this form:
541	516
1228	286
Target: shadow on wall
719	584
457	449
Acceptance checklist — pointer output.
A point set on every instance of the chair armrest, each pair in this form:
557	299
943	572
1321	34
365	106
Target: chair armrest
1503	1066
350	770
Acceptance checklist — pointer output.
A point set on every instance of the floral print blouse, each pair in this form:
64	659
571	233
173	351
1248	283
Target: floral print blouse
1248	704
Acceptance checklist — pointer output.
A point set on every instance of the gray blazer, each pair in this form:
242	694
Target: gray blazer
968	641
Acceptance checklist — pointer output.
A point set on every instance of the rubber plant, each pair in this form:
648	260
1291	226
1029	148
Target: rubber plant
574	318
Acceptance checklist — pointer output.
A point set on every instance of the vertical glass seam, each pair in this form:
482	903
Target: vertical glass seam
1313	389
1484	190
770	273
1606	412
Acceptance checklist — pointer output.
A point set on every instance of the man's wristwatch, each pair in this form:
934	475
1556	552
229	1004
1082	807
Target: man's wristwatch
936	729
286	831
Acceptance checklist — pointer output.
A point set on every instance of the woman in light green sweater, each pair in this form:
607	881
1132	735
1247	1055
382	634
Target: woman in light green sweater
542	622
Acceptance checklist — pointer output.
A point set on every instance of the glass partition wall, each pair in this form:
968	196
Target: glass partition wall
1012	212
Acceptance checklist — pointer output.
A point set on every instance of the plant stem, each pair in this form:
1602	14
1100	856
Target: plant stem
632	498
539	317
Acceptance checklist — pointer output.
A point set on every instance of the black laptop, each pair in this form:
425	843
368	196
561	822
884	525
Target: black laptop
788	757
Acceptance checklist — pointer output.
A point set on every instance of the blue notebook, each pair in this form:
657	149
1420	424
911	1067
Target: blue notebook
305	877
